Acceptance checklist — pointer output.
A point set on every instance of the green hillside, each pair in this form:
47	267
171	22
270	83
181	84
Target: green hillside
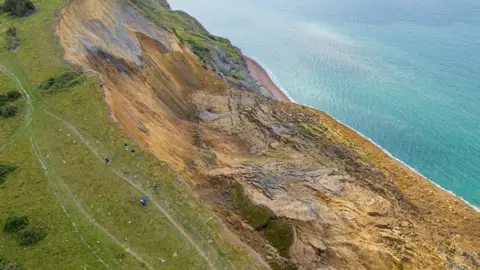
89	212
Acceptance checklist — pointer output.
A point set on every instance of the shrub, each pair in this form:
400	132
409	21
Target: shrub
3	100
9	111
12	41
13	95
62	81
191	164
5	170
197	140
31	236
4	265
208	157
15	224
19	8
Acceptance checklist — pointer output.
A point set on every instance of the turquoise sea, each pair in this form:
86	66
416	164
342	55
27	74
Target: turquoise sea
406	74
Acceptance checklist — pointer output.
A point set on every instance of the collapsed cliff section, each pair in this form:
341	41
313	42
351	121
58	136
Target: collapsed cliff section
349	204
301	189
213	51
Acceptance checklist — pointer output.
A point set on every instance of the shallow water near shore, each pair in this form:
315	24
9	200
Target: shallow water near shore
404	74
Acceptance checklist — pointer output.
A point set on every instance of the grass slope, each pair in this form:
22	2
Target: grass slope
90	212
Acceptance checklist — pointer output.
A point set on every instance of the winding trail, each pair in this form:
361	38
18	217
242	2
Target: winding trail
45	171
161	209
28	115
90	218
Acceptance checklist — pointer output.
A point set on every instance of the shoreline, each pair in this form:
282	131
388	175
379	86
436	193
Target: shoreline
266	81
273	90
385	151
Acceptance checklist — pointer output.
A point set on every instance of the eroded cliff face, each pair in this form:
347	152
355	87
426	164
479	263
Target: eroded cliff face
298	187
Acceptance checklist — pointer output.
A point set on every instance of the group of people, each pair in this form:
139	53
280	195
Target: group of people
144	200
107	160
133	150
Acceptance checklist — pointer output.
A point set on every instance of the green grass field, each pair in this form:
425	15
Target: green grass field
90	211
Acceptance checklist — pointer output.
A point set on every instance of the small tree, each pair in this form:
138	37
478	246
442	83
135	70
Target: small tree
12	41
15	224
5	265
9	111
5	170
3	100
18	7
13	95
31	236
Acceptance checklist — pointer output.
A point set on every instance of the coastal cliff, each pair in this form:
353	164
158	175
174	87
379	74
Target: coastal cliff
302	190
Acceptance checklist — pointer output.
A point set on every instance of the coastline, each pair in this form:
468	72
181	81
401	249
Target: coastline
272	89
408	167
267	84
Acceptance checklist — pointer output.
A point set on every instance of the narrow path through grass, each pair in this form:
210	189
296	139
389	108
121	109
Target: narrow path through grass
161	209
64	209
28	113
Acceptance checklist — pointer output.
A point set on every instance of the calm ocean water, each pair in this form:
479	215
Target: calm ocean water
404	73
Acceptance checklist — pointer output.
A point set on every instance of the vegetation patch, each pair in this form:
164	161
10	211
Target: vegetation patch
191	164
13	95
197	141
257	216
18	8
31	236
227	46
189	31
12	41
316	130
281	265
9	111
3	100
63	81
237	75
5	265
208	157
278	232
5	170
15	224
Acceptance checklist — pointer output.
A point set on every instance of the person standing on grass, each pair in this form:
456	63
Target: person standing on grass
126	147
107	161
133	152
155	186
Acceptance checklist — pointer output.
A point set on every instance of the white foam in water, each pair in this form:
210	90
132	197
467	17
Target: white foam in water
406	165
277	83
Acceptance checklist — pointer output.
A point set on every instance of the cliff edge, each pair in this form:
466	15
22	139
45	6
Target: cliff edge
295	185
